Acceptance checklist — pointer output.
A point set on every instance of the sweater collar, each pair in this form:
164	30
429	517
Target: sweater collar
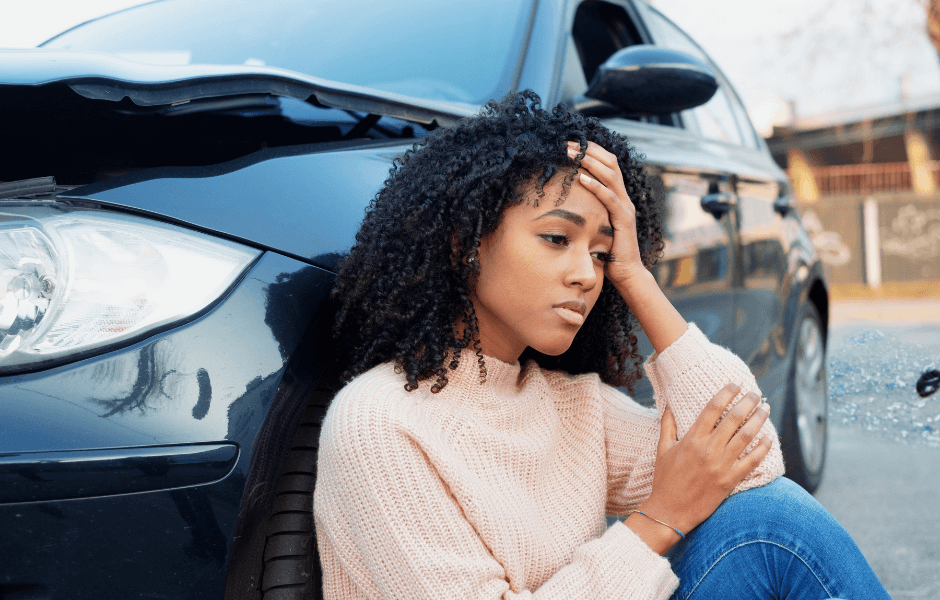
503	380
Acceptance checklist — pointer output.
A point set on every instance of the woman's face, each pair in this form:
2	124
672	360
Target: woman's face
541	272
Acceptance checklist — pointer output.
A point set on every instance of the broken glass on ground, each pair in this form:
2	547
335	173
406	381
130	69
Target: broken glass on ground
873	376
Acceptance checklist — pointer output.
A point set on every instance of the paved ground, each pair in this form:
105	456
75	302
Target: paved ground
882	477
887	496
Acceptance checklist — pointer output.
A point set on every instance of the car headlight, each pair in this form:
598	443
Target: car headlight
74	281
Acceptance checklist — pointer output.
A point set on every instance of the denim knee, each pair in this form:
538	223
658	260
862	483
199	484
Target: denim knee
776	541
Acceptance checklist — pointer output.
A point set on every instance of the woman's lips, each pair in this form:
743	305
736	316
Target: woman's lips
570	315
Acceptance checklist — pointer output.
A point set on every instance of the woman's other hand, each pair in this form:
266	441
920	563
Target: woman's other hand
694	475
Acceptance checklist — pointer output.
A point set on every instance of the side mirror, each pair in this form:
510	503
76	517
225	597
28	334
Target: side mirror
648	80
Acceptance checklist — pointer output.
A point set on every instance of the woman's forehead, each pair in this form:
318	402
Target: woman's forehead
576	199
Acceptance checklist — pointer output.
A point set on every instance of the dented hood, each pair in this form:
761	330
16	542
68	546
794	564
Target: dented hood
101	76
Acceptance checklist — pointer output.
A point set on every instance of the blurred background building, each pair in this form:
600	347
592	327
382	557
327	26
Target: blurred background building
866	180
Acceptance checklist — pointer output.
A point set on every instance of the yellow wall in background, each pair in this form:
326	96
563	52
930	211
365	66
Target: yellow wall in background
918	156
804	184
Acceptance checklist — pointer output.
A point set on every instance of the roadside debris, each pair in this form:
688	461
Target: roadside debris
882	381
928	383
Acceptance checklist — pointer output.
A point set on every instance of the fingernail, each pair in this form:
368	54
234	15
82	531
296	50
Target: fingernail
586	179
764	407
574	145
572	153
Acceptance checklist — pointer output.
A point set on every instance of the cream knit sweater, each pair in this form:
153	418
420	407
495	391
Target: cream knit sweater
500	490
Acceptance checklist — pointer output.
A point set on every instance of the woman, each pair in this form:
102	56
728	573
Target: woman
487	307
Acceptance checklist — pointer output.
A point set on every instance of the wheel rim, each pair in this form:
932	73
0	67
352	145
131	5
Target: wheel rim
810	379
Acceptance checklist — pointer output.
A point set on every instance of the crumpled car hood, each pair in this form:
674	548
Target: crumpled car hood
105	77
305	201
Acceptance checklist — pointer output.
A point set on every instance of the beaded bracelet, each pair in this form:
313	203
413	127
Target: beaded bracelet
682	535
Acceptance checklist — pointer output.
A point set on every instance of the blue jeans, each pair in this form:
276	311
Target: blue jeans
775	541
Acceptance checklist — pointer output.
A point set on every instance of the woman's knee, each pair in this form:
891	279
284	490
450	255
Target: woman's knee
753	569
779	528
781	511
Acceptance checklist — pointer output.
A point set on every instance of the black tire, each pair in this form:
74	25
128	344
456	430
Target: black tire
291	563
274	554
805	429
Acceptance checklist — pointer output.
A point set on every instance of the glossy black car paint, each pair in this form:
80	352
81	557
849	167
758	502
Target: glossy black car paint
140	422
64	475
258	199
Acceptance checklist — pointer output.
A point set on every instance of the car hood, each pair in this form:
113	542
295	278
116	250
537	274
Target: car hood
101	76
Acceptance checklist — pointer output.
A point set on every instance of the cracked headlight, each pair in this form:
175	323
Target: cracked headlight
76	281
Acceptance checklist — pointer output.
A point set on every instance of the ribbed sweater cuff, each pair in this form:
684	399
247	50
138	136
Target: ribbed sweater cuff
635	571
687	352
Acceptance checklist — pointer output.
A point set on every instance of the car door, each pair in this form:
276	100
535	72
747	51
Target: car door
696	270
761	283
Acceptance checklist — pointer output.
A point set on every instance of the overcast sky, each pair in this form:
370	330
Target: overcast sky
822	55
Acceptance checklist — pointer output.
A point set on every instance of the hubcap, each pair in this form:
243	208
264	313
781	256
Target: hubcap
810	380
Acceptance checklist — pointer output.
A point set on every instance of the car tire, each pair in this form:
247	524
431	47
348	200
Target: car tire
291	562
804	432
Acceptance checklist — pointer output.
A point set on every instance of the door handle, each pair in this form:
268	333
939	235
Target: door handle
784	204
62	475
719	203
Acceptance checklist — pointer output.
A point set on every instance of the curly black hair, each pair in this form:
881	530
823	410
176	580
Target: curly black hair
406	285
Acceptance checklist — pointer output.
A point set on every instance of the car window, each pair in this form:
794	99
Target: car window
744	121
404	47
716	118
573	81
599	30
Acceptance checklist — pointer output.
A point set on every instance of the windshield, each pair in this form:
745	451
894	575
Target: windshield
433	49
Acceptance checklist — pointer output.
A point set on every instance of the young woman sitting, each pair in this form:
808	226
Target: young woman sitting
488	307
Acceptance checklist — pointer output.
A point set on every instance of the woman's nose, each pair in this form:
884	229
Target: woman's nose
582	271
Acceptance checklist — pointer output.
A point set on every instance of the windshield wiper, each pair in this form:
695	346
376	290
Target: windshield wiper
298	112
27	189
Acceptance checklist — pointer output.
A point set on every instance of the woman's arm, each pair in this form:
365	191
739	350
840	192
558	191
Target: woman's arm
714	436
687	377
659	319
703	419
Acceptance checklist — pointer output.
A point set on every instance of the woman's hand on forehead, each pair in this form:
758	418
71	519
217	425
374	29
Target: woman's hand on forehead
657	316
604	179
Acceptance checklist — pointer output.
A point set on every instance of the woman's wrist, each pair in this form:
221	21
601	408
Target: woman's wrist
659	319
660	538
632	281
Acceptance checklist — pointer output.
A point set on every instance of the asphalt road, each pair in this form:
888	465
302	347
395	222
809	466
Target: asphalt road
882	478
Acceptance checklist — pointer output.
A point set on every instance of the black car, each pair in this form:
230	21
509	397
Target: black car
178	180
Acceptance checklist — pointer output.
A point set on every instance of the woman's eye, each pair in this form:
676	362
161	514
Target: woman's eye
558	240
604	257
